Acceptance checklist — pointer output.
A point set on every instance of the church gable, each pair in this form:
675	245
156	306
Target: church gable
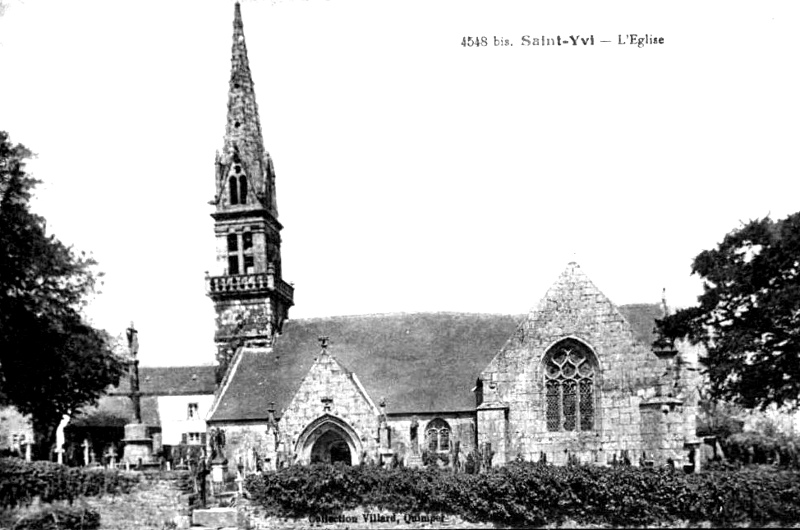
573	308
331	393
568	381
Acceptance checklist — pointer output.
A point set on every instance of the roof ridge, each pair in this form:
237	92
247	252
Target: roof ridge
186	366
404	313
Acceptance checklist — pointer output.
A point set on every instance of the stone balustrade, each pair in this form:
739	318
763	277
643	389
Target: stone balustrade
285	290
244	283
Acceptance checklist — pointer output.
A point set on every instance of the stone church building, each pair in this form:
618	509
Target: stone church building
576	379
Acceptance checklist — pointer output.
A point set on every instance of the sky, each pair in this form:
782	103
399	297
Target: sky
413	173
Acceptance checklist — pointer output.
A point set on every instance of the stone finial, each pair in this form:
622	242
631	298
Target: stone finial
323	342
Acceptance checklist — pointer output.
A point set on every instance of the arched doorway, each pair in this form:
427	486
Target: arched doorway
331	448
329	439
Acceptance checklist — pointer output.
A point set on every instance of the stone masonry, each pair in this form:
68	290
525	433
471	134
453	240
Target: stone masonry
627	371
329	392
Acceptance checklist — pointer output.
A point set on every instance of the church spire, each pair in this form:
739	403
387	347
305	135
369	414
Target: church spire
250	297
245	175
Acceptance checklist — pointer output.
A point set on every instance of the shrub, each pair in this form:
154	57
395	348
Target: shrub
59	518
21	482
525	493
430	459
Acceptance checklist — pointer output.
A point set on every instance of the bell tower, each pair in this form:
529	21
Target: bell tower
250	297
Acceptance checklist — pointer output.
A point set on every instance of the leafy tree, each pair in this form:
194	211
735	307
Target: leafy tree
51	361
748	317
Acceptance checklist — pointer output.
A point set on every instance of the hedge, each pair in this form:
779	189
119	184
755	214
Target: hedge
21	482
536	494
60	518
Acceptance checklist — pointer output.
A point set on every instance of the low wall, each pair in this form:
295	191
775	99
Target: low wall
254	516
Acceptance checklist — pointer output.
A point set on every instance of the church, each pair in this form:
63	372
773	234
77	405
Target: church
577	379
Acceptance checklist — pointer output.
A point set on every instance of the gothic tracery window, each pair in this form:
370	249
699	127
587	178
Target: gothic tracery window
437	436
569	379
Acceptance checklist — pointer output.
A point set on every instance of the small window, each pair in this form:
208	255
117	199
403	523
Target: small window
194	438
193	412
233	190
233	254
240	254
17	440
249	265
233	264
243	189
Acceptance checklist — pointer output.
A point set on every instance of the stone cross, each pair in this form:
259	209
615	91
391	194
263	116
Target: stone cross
323	341
85	446
112	456
132	334
326	401
239	482
133	348
60	437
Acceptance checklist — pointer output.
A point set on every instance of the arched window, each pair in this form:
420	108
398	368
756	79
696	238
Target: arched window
233	190
242	189
569	380
437	436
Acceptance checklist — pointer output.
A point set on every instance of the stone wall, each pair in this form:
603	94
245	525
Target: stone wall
255	517
493	432
245	318
662	429
462	429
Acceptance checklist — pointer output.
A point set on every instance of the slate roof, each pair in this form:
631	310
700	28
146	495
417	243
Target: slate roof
115	409
642	317
171	381
422	362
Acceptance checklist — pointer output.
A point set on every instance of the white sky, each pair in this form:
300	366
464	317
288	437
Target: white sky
413	174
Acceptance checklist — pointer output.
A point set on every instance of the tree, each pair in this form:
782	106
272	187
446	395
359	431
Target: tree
748	317
51	361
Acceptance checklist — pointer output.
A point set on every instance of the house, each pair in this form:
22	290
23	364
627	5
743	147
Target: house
16	431
174	402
